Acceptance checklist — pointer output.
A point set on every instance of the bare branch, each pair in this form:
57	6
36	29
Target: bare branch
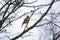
31	2
37	5
4	6
35	23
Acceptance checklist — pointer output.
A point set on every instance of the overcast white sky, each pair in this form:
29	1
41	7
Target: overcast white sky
37	32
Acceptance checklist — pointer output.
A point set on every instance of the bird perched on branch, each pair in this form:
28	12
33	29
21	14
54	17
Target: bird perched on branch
17	2
26	20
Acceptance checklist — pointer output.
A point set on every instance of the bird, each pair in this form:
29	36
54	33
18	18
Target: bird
26	20
18	2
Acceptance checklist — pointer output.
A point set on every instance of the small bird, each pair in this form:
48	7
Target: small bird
26	20
18	2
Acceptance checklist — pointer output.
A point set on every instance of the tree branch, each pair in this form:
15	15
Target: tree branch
35	23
